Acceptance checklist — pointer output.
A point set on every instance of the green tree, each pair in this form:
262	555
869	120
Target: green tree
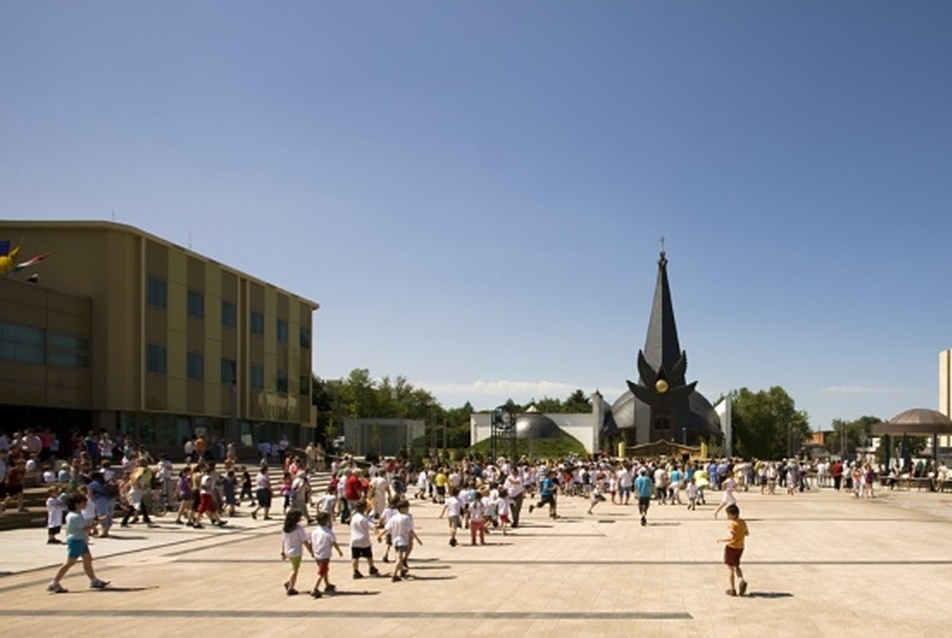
766	424
359	394
456	422
548	406
577	403
849	435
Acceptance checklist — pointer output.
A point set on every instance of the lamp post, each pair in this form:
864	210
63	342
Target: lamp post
501	421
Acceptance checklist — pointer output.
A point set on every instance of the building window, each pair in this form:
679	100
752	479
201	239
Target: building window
195	363
196	304
156	292
155	359
282	331
304	387
67	350
305	335
229	371
256	323
229	314
282	381
22	343
256	377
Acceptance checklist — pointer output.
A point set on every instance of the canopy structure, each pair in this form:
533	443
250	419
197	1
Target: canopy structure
915	422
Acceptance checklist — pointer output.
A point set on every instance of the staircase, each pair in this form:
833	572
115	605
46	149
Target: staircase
34	499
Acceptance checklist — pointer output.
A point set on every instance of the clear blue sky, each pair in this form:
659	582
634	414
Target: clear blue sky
474	192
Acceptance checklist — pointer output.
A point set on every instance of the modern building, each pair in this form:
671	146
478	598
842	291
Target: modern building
945	391
662	408
125	331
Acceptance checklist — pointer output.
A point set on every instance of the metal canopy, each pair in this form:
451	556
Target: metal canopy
915	422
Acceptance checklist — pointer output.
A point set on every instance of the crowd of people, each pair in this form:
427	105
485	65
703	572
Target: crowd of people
102	479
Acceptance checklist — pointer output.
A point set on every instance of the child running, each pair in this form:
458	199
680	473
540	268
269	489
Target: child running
323	540
361	540
400	529
734	549
293	542
453	509
387	514
76	547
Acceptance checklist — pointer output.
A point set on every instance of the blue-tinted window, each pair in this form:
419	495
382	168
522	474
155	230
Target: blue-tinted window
229	371
155	358
305	336
156	292
22	343
305	385
67	360
256	323
67	350
229	314
282	331
256	377
195	364
196	304
281	385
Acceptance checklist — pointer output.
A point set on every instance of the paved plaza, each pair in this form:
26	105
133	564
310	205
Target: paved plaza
819	564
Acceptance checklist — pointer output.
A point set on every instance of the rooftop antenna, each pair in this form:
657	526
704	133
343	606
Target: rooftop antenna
190	239
113	214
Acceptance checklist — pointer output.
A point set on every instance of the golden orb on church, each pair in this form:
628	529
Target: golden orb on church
661	386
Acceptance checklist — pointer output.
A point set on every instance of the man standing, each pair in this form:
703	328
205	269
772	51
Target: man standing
624	483
644	488
517	492
311	453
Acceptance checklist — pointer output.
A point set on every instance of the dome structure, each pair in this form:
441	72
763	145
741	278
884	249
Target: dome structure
915	422
534	425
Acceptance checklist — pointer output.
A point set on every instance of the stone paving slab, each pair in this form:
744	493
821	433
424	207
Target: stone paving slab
819	564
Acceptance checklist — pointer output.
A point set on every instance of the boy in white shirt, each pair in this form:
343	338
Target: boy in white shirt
453	508
400	529
361	528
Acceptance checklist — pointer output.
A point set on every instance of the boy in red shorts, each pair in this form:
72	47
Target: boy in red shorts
734	549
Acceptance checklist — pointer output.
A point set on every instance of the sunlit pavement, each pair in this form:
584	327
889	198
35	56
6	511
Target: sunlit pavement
818	563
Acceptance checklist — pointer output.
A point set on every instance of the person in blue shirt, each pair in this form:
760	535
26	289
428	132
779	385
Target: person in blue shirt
644	488
547	492
76	546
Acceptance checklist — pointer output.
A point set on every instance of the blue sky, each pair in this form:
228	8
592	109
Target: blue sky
475	192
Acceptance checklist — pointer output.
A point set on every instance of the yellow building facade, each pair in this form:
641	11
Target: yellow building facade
130	333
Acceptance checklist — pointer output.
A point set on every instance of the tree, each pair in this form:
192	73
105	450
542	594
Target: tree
548	406
849	435
766	424
577	403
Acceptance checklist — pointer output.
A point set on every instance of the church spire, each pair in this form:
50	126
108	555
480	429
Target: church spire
662	348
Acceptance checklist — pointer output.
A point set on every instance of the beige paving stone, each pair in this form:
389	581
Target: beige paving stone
819	564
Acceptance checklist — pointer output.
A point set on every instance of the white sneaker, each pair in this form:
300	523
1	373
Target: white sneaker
98	584
56	588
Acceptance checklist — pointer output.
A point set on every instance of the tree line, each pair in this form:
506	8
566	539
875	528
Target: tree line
766	423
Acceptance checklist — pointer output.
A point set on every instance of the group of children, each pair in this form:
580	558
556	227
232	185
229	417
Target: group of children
396	524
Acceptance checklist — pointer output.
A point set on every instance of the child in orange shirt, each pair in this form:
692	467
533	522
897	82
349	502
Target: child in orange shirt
734	549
